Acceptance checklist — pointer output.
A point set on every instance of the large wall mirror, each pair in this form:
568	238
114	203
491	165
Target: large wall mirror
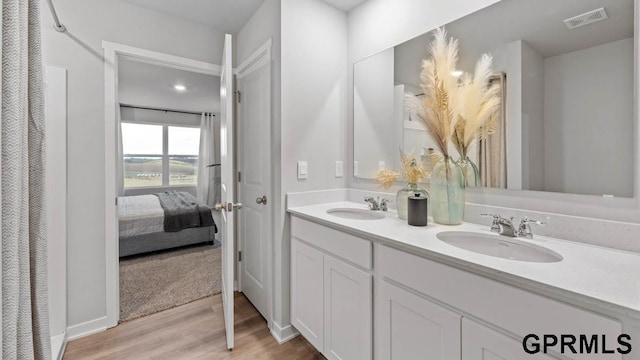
567	118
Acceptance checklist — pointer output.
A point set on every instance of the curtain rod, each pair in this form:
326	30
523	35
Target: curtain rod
165	110
58	26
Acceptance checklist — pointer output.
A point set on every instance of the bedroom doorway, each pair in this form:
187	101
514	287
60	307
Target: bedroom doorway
169	142
160	256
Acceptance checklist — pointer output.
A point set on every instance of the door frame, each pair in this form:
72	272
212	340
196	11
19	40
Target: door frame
258	59
112	52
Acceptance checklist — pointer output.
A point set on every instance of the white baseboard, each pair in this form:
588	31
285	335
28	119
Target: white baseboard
283	334
58	344
87	328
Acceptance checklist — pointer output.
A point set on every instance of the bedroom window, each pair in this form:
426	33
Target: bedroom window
160	155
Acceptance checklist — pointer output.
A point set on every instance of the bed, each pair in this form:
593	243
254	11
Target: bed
143	223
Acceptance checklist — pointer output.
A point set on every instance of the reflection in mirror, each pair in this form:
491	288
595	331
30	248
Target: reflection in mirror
566	123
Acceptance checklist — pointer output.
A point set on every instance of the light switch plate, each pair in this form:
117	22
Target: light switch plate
356	168
303	170
339	169
382	165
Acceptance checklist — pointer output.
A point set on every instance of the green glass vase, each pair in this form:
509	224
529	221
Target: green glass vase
402	198
447	192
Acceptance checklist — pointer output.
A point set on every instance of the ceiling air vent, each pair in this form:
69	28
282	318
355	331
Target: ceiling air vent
586	18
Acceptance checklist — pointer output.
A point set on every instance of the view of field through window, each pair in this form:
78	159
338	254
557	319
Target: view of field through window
147	164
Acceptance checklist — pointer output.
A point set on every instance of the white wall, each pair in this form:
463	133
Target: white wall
373	112
56	202
89	22
532	81
314	107
265	25
585	113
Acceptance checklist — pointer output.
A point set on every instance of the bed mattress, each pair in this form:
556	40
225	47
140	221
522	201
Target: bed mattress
139	215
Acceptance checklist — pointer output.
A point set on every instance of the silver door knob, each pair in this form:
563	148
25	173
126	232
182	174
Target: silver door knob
229	207
262	200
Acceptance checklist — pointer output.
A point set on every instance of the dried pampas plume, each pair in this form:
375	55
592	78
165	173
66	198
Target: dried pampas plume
412	171
439	110
386	178
479	102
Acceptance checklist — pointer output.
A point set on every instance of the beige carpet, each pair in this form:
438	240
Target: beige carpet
153	283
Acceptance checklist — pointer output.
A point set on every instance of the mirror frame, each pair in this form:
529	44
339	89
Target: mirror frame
617	208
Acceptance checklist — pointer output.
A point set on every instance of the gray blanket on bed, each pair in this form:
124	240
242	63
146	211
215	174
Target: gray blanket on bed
182	211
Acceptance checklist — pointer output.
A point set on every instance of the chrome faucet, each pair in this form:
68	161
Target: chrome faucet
524	230
377	205
505	227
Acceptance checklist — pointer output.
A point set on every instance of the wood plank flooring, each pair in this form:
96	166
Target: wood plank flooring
189	332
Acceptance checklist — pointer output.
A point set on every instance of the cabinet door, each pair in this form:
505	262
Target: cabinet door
347	311
481	343
411	327
307	292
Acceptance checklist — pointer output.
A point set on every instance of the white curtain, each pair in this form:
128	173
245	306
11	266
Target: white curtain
25	313
119	155
208	183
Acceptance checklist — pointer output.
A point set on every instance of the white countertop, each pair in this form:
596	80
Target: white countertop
595	277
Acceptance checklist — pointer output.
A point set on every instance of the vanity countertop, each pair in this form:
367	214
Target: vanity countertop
591	276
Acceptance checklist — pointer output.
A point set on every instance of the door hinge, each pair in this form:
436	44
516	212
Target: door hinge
238	96
116	201
239	255
239	176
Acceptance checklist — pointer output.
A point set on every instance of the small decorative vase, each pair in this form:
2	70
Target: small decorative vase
447	192
402	198
470	172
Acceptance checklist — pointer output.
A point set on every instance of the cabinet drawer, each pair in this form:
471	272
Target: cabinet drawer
307	300
513	309
411	327
348	247
481	343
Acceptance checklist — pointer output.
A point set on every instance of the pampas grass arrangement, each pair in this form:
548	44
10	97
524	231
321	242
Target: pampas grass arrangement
453	110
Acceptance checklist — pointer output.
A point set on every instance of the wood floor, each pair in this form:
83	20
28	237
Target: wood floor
192	331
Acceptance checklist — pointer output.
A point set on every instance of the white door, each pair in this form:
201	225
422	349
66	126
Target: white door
348	294
411	327
482	343
227	206
307	292
254	162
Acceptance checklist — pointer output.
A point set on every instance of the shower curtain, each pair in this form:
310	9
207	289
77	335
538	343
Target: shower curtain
25	318
492	162
209	177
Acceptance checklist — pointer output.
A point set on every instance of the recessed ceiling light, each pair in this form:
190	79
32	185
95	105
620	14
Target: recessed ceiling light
457	73
179	87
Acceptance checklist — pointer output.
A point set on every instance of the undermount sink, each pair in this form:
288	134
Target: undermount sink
499	246
356	214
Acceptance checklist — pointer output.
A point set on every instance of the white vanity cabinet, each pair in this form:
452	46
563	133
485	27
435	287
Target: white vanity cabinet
476	298
411	327
331	290
407	306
